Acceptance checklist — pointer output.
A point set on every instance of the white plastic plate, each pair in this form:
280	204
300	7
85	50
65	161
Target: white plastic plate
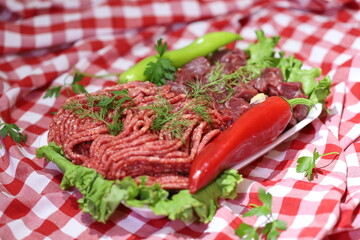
313	114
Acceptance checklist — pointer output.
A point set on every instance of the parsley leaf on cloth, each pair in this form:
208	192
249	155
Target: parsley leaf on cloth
13	131
161	70
76	87
263	210
272	226
306	164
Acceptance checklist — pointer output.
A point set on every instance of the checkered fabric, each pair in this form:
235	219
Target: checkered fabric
43	41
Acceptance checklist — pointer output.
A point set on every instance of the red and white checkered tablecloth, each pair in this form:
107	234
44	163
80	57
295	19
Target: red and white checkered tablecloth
43	41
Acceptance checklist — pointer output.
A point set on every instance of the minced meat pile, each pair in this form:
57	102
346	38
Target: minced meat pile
140	129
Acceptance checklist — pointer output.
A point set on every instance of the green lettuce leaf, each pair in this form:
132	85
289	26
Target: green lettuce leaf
316	90
146	195
101	197
204	203
262	54
292	72
321	90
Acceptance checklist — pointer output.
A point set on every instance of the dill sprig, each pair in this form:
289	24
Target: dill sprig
201	110
220	82
102	108
168	120
172	120
164	112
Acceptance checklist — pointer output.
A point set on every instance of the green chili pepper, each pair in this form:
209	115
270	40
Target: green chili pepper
202	46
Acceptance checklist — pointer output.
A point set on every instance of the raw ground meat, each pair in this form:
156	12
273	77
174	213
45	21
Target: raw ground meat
139	150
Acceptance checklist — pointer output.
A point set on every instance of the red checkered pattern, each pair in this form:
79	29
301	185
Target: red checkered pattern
43	41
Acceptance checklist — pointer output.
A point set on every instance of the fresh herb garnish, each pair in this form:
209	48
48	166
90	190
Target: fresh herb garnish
220	82
53	91
109	111
200	108
170	121
306	164
75	86
272	226
161	70
173	121
13	131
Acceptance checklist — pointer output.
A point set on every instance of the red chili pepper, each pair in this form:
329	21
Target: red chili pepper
254	129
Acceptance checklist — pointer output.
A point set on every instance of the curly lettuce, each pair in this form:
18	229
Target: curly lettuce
101	197
262	53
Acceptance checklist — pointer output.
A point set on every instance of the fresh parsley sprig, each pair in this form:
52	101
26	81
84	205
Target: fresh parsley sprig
161	70
13	131
272	227
307	164
75	86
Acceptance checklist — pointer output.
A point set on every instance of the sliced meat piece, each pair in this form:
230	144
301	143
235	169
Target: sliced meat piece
244	91
268	81
196	69
291	90
232	59
271	83
232	109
